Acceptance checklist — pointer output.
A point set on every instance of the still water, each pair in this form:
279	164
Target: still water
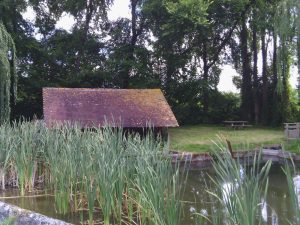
275	209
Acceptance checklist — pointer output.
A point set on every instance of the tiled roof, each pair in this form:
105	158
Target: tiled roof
131	108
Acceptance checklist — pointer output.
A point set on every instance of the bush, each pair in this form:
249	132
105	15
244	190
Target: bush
222	106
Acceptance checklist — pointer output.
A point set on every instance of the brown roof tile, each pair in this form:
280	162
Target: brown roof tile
97	107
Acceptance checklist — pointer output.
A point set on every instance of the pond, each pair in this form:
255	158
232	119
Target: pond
275	210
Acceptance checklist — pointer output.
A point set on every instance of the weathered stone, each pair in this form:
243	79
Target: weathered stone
26	217
201	160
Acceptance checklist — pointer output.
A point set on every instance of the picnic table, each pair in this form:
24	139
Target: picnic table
237	124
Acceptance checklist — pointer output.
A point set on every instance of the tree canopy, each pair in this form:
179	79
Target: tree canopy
8	75
179	46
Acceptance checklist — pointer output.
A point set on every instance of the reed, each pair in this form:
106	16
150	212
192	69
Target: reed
6	145
8	221
293	181
116	178
239	189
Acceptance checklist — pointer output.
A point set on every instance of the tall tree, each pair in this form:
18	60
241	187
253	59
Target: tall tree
265	102
246	88
255	67
8	75
275	96
285	29
297	20
178	45
90	18
213	24
137	28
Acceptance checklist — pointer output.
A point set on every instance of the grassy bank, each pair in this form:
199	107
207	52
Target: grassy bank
200	138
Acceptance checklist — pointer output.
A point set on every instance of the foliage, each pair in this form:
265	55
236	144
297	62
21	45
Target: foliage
179	46
240	192
188	108
190	9
128	177
8	77
293	187
224	106
9	221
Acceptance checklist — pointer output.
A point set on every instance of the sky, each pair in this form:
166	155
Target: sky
120	8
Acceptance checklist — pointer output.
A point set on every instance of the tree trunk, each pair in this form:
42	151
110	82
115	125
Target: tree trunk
13	80
205	79
298	56
88	17
132	44
265	99
275	72
169	74
246	91
255	70
297	9
1	13
275	104
285	76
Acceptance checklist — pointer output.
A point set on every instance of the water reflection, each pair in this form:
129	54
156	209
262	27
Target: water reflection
264	211
296	181
275	208
273	219
229	188
44	204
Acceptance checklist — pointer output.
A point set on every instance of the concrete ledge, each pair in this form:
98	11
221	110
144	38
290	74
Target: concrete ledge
203	160
26	217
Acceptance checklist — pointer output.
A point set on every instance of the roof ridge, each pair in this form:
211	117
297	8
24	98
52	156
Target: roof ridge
101	88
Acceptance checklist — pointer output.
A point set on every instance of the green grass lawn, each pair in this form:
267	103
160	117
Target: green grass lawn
200	138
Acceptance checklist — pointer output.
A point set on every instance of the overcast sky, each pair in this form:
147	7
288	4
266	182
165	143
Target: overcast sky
121	9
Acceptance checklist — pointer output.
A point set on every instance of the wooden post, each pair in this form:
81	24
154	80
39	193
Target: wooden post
229	148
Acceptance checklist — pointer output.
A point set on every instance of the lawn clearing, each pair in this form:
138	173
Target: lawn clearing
199	138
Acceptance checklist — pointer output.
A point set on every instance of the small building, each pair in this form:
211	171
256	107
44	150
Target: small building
127	108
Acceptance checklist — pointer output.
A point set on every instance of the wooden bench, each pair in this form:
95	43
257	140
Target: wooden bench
237	124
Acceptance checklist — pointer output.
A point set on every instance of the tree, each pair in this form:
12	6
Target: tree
297	21
246	88
129	37
286	18
177	45
8	77
90	16
255	67
213	24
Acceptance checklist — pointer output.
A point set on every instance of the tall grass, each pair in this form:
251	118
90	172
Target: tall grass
239	189
293	181
8	221
115	178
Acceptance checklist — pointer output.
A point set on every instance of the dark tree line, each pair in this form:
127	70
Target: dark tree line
179	46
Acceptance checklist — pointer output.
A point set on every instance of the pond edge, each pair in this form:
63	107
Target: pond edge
204	160
26	217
